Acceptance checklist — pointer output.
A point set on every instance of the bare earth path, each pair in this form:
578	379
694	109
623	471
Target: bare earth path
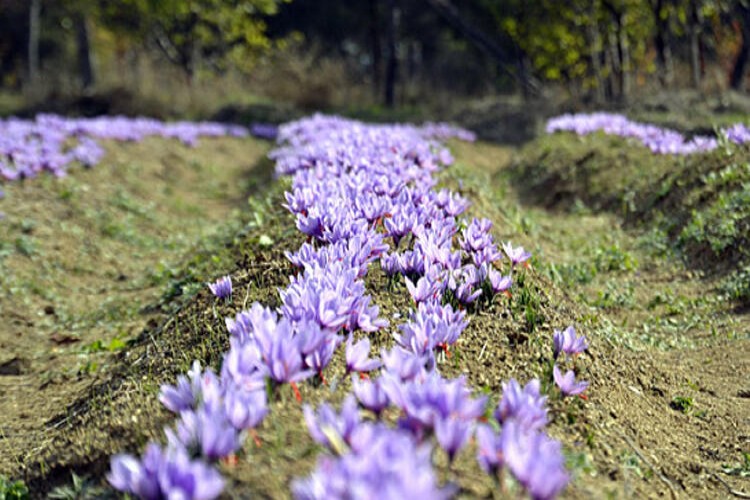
82	257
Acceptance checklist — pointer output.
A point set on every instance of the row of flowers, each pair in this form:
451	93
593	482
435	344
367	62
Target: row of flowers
658	140
364	194
52	143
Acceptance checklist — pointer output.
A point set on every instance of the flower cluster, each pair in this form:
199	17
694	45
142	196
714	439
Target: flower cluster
215	412
658	140
53	143
568	342
362	194
373	185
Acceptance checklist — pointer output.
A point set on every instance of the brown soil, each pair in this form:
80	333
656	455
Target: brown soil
82	258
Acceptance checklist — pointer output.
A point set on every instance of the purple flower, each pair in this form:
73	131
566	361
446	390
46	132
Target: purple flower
179	477
245	409
370	395
489	449
424	290
321	356
186	394
139	478
244	366
165	474
328	428
517	255
476	236
567	383
535	460
567	342
402	363
357	356
452	434
526	406
222	288
499	282
206	432
382	463
282	356
264	131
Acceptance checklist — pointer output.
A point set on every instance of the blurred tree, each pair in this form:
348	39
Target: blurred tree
736	79
211	32
35	9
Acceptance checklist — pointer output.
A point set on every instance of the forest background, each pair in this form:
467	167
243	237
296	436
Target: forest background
269	59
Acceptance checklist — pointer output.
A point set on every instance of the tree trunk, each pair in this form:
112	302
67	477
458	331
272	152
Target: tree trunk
663	45
35	10
695	45
375	49
623	45
615	74
595	55
392	64
484	43
85	66
737	77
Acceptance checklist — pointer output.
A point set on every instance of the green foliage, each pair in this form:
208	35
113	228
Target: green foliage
741	470
79	489
682	403
722	223
527	302
12	490
737	285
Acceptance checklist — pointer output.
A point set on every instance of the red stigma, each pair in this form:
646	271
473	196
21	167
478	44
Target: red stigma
297	394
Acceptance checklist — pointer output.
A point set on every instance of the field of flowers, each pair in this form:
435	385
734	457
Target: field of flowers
377	338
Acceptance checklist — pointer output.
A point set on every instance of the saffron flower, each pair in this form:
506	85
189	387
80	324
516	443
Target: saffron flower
424	290
526	406
357	356
517	255
489	449
166	473
206	432
221	288
499	282
567	383
245	409
568	342
535	460
370	395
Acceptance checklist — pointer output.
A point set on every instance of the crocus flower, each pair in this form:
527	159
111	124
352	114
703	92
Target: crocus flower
166	473
452	434
402	363
207	432
489	449
517	255
283	358
222	288
535	460
180	477
370	395
357	356
424	290
567	383
499	282
526	406
245	409
568	342
186	394
137	477
326	427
